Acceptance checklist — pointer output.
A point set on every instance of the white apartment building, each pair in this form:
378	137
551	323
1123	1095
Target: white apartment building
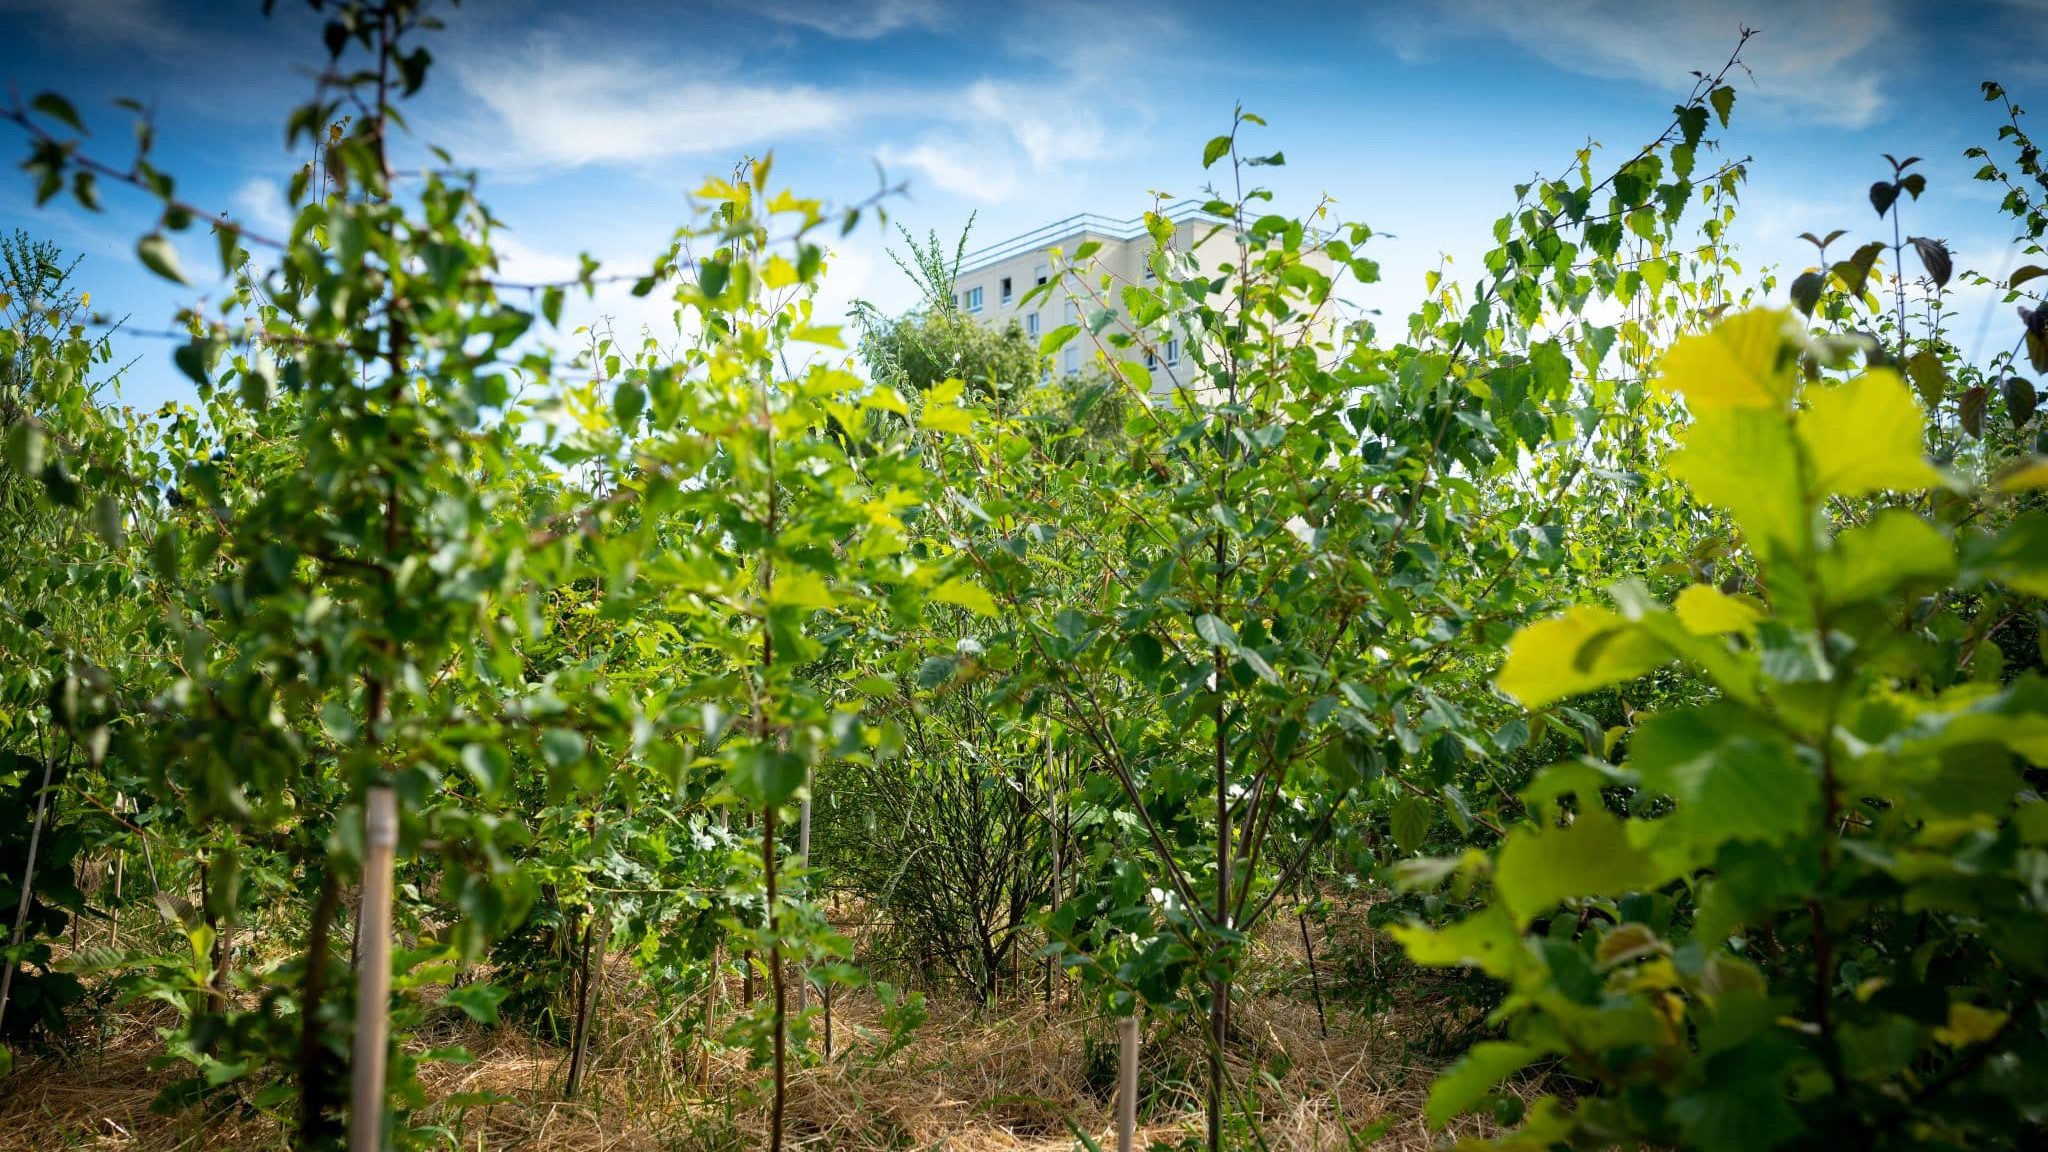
994	280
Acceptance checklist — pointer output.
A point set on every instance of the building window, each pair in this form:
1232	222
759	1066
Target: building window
974	299
1073	361
1042	270
1031	324
1006	289
1073	312
1172	352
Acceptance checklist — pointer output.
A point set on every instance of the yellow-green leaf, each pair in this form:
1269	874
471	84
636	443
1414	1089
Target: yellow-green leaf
1865	436
972	597
802	589
947	418
1584	649
2025	477
1742	460
1744	362
1708	611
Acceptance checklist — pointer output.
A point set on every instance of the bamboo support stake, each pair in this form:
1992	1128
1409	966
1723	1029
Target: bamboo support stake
1127	1084
803	862
373	971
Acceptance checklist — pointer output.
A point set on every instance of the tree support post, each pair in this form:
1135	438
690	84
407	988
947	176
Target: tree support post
373	971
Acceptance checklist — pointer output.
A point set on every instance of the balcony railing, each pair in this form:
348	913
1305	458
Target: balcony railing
1079	224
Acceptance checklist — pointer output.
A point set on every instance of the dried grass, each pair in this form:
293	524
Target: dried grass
972	1080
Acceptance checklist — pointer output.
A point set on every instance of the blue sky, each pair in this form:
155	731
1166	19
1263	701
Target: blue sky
592	121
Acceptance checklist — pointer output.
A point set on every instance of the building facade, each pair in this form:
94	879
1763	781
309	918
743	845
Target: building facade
993	282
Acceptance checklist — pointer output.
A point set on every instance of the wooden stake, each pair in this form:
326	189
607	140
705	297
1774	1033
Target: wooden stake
1127	1084
373	971
580	1037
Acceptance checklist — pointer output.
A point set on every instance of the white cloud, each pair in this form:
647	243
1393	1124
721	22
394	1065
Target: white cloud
1809	59
854	21
549	110
259	204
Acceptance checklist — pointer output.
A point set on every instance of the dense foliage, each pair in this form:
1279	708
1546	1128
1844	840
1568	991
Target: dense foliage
664	647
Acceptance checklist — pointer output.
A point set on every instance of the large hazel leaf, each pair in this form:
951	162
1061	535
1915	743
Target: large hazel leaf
1539	867
1584	649
1728	778
1865	436
1744	362
1893	548
1465	1085
1743	460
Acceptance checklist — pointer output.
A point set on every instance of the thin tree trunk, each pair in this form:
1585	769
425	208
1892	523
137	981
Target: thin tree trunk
373	971
316	1121
1315	980
114	935
28	880
1219	988
803	861
1127	1084
1058	834
580	1035
775	979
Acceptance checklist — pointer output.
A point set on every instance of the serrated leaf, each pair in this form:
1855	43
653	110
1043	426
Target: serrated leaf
1539	867
1410	821
1584	649
1929	376
1723	99
1866	435
1214	150
1742	362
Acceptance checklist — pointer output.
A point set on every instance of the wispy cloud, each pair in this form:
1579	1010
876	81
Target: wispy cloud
1809	59
148	25
546	108
870	20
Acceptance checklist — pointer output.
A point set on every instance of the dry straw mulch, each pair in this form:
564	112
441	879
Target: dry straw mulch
974	1079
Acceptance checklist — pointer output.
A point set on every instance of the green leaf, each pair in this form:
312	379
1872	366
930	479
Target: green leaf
1743	460
1866	436
1410	822
966	594
561	747
478	1001
1215	633
802	589
1056	339
1871	560
1538	867
1744	362
1215	150
59	109
1729	778
1806	291
629	400
1584	649
1929	376
157	255
1723	100
1970	411
2019	400
1486	940
1464	1085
